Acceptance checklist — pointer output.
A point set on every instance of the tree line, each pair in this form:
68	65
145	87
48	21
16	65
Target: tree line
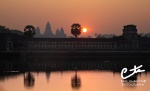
29	30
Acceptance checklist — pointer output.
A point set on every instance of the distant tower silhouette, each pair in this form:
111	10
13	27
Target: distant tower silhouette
48	32
57	33
37	32
60	34
130	31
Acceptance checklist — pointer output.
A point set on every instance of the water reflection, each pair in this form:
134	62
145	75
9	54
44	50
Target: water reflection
8	74
76	81
29	80
131	81
97	80
48	75
2	78
113	65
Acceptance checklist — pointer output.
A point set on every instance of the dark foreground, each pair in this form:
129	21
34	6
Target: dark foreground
51	61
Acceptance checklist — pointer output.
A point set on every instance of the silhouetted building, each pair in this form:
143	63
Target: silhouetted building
11	42
37	33
60	34
57	33
129	41
16	32
104	35
48	32
130	32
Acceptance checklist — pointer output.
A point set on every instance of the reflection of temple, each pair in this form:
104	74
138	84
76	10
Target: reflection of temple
29	80
129	41
48	73
76	81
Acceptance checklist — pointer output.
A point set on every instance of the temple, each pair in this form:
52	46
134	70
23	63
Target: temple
130	40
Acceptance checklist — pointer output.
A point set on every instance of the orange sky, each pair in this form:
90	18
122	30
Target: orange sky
99	16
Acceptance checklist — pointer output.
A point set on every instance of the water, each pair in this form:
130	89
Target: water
91	80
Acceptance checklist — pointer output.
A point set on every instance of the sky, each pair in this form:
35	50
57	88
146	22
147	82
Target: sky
98	16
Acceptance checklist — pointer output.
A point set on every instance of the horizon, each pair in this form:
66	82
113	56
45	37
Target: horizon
102	17
42	35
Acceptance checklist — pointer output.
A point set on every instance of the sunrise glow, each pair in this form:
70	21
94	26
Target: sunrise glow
84	30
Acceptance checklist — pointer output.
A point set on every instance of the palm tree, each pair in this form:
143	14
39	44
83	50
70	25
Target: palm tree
76	29
29	80
29	31
76	81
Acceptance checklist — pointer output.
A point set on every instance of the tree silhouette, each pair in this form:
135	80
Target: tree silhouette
3	29
76	29
29	31
29	80
76	81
